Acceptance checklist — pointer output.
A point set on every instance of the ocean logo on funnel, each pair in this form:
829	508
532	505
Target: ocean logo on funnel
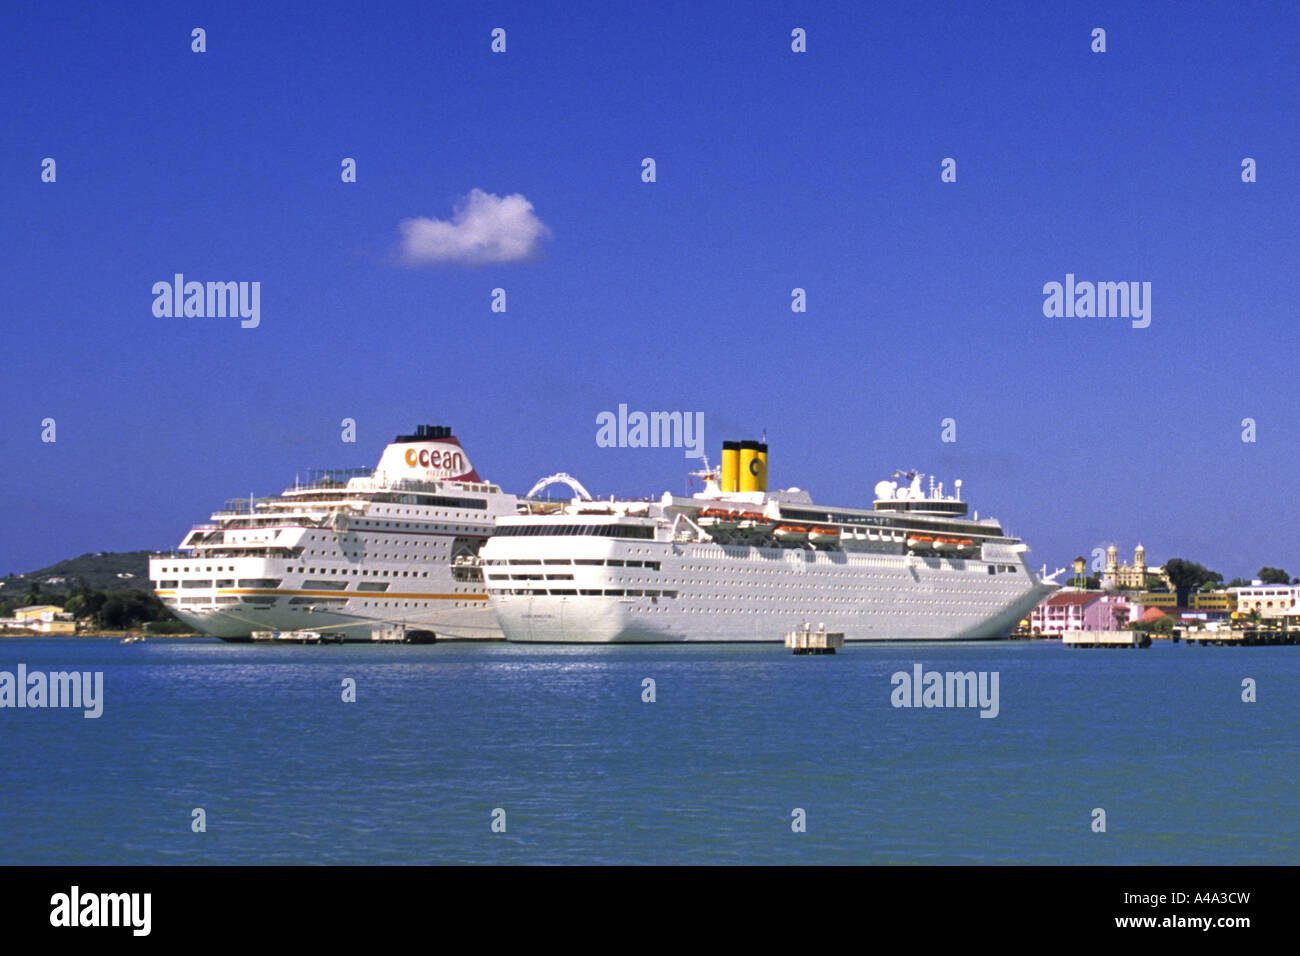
429	455
453	462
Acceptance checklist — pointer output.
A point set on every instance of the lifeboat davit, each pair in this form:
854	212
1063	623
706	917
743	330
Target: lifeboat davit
825	537
791	533
920	542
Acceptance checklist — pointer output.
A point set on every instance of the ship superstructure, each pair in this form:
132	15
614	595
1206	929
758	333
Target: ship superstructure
347	553
737	562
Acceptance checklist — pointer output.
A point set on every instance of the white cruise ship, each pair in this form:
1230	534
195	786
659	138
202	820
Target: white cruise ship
349	555
739	563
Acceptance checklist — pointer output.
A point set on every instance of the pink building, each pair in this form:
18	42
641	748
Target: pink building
1083	611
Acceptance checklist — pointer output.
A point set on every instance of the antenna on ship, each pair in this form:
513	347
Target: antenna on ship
706	472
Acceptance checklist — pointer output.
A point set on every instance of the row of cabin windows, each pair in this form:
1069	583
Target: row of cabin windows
265	600
590	592
586	562
361	572
275	582
562	530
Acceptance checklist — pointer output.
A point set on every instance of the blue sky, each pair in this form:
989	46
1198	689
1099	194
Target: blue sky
775	170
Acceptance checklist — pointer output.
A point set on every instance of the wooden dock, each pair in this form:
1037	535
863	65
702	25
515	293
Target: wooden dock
1246	637
297	637
807	641
1106	639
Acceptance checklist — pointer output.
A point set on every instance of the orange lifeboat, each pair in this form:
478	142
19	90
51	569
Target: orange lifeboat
824	537
719	518
791	533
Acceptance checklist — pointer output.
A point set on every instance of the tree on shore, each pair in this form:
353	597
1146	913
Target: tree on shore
1161	625
124	609
1274	576
85	603
1188	576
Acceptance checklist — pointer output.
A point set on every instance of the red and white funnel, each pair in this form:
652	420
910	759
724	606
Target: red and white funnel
433	453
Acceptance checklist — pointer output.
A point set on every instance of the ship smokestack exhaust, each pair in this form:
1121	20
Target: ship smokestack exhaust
751	467
427	433
730	466
744	466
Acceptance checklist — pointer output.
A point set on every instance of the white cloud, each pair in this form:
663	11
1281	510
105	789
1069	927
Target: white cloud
484	228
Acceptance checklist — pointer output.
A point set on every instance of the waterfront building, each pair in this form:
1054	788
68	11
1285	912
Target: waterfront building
1156	613
1222	601
37	613
1083	611
45	618
1270	600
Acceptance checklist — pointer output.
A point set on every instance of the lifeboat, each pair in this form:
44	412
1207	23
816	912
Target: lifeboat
791	533
753	523
920	542
824	537
966	546
719	519
944	545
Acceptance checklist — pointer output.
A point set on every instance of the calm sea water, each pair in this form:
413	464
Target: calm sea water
586	772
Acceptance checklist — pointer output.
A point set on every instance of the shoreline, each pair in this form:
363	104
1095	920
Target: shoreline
118	635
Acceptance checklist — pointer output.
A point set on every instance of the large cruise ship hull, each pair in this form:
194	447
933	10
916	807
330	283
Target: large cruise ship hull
738	594
738	563
354	554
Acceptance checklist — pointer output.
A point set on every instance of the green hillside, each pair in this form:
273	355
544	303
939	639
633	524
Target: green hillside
100	571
